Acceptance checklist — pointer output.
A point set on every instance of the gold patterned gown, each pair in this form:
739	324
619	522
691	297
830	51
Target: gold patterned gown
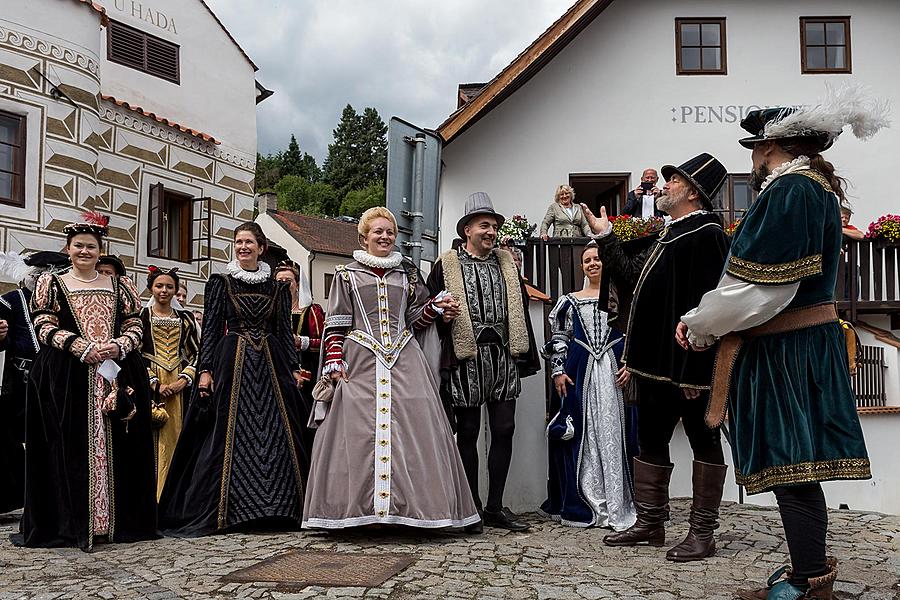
89	471
170	353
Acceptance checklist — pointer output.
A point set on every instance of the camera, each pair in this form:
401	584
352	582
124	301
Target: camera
646	186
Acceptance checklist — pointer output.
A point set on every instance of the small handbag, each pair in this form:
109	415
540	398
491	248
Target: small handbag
561	427
323	391
159	416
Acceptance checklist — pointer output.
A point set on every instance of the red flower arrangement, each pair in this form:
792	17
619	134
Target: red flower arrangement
887	227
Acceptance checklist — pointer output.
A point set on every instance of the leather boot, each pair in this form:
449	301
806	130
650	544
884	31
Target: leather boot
708	481
651	502
820	588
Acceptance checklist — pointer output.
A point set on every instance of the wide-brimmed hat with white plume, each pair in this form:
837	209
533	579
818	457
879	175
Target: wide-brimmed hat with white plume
848	104
15	267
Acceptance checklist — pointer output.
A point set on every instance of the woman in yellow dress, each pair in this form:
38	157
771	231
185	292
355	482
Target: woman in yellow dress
170	350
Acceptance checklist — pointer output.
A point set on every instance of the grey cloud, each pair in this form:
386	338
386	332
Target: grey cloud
403	57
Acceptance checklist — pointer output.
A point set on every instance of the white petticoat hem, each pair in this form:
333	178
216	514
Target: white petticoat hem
317	523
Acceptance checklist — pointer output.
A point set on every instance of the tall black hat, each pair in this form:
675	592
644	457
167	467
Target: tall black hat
704	172
478	203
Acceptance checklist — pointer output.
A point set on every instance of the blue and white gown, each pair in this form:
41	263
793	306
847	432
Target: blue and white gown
588	480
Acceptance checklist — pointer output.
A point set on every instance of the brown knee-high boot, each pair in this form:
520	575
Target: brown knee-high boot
708	481
651	501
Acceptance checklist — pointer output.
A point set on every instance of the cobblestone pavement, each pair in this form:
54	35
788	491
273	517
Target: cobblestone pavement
551	561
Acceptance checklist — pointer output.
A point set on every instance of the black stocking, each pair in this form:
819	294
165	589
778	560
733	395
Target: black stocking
805	520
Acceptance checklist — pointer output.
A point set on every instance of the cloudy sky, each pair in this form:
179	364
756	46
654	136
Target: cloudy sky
403	57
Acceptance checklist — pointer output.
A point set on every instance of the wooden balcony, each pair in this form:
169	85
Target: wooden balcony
867	280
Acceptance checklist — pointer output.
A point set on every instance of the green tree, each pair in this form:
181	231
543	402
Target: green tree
291	159
268	171
299	195
309	170
358	155
299	163
356	202
373	144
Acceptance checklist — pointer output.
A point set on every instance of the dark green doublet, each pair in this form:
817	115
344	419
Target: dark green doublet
793	414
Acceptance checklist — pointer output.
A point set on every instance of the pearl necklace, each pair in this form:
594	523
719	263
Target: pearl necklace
92	280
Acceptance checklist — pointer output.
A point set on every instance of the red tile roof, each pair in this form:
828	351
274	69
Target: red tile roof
319	234
104	19
203	136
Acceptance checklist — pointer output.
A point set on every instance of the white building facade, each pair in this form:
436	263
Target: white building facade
142	110
612	88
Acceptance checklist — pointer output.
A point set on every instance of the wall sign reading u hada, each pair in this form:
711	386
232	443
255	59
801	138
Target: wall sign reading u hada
142	11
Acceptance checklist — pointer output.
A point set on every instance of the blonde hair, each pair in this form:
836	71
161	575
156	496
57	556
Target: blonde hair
564	188
365	221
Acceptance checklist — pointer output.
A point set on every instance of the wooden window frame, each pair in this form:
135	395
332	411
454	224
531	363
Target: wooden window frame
804	69
727	210
327	278
146	38
196	224
17	193
720	21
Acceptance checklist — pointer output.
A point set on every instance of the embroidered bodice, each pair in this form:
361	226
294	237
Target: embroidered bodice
578	320
254	311
486	296
166	333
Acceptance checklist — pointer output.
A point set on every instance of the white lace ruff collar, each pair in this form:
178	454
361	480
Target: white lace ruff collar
258	276
378	262
699	211
798	164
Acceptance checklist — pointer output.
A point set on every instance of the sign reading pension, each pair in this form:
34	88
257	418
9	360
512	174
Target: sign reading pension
414	167
696	114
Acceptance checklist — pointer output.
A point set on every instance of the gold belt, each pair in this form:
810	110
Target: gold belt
730	345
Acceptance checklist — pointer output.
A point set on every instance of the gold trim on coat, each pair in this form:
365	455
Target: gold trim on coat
805	472
789	272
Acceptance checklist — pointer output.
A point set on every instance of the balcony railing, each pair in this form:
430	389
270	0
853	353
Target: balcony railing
867	281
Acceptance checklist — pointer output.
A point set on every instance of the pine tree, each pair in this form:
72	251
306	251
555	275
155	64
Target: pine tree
373	145
342	167
292	159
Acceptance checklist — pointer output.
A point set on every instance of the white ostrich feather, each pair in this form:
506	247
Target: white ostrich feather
13	267
848	104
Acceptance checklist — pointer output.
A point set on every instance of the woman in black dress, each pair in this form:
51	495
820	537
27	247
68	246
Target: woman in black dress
89	448
241	454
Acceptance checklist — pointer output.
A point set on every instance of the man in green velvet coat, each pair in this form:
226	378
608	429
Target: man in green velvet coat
793	414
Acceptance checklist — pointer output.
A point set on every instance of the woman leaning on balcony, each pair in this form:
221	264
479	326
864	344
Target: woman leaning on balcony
565	216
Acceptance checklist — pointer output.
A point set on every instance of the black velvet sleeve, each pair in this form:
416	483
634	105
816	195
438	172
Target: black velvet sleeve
214	299
284	331
625	268
435	286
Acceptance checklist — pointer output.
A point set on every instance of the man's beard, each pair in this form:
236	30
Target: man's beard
758	176
666	202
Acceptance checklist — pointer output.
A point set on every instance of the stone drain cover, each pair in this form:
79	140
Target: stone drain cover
300	568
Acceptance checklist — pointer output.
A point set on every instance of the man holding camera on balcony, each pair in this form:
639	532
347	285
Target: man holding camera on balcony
641	201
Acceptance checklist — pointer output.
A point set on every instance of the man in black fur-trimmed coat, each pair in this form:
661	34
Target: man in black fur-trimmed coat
486	345
672	384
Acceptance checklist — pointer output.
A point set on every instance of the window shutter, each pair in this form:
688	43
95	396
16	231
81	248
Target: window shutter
155	230
144	52
201	230
162	59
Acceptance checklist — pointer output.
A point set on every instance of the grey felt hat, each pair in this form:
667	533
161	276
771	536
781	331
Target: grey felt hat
478	203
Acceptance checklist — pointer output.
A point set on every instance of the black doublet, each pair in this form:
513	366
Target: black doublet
669	279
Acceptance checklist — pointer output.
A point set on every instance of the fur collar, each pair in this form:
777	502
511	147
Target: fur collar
463	334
